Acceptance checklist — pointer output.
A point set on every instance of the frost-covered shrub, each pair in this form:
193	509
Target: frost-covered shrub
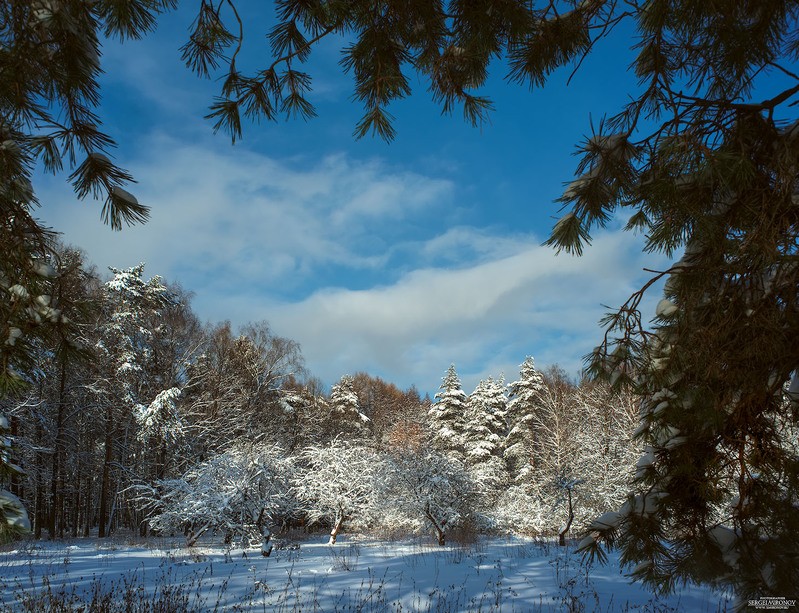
241	492
425	487
336	484
517	511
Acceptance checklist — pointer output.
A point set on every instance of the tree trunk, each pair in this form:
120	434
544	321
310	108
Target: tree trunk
75	521
266	542
194	535
110	523
90	478
562	535
106	484
38	516
440	534
336	528
17	482
88	504
56	501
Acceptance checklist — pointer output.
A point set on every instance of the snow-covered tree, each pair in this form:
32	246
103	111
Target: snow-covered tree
485	421
606	423
305	414
160	421
484	434
427	487
125	348
522	509
243	493
582	460
234	386
447	415
335	484
346	417
524	396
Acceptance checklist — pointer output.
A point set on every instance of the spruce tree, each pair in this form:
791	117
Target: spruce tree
345	413
447	415
485	421
524	395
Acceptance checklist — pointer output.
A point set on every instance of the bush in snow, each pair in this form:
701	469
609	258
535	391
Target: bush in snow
241	492
520	511
335	484
426	487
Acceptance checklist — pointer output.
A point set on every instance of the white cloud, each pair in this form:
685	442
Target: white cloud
223	218
486	317
460	241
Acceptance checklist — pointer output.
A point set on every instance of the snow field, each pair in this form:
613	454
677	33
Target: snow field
357	574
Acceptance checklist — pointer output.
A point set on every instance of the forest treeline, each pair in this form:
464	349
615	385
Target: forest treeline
145	419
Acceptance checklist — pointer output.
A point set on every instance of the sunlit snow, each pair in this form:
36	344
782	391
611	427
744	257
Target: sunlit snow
304	573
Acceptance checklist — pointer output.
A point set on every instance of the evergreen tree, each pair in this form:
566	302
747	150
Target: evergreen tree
346	416
49	94
485	421
125	384
524	396
483	436
305	413
447	415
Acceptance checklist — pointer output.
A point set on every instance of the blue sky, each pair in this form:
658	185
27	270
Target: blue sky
396	259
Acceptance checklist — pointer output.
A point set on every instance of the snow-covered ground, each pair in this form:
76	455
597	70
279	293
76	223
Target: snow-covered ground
357	574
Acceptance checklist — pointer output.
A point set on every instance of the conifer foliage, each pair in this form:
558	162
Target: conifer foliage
485	421
13	516
524	397
448	415
345	414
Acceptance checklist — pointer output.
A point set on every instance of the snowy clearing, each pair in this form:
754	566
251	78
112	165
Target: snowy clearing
357	574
